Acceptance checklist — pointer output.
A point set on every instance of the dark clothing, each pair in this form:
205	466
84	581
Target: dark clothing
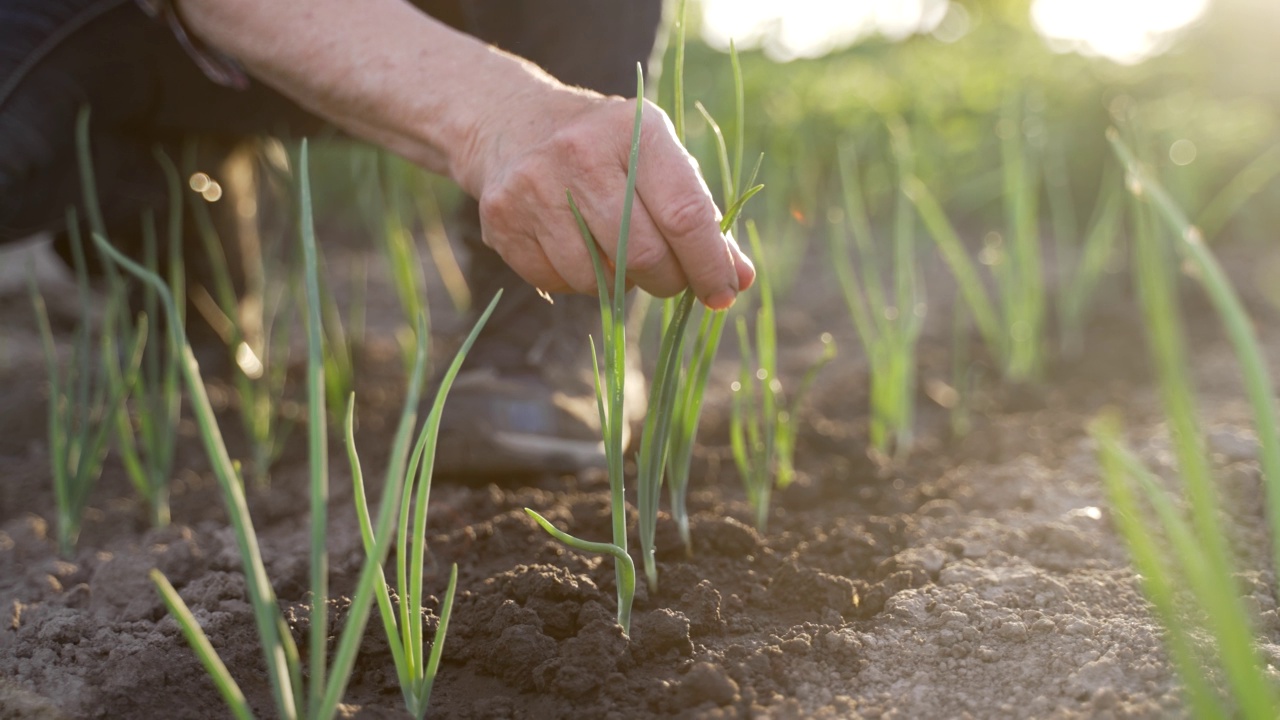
146	90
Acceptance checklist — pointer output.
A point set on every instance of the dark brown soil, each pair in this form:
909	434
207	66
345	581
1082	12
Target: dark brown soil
979	579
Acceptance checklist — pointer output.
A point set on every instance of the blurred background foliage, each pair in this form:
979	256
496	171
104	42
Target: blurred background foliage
1213	91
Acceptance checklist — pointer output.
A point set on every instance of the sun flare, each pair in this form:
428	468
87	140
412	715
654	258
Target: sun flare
1126	31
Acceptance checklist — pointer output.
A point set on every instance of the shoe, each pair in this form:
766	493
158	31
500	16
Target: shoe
524	403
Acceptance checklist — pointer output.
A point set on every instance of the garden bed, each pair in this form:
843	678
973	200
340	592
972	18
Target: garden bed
981	578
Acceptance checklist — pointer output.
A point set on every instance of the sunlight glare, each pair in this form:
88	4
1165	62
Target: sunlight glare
812	28
1126	31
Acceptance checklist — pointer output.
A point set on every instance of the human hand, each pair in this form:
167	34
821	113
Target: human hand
533	150
510	134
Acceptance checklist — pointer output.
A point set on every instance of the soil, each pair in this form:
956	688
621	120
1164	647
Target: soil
980	578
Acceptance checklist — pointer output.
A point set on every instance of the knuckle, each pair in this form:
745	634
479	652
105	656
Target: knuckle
574	149
496	205
687	215
647	257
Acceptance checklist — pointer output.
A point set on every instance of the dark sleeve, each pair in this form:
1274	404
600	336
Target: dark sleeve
216	65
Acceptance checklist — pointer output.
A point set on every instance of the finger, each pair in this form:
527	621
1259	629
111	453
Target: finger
683	211
650	262
742	264
564	247
526	258
540	244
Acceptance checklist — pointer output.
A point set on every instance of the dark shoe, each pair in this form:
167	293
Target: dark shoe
525	401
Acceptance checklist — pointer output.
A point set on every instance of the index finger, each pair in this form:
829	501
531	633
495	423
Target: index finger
677	199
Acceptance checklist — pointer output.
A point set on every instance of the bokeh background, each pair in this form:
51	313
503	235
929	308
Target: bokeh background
1199	80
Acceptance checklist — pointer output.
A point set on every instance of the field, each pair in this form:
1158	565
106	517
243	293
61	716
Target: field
973	564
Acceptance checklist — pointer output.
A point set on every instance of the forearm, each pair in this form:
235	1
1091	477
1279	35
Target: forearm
386	72
508	133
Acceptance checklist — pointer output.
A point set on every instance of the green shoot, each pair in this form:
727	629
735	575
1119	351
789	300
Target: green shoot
397	244
1247	183
259	345
437	240
213	665
1018	270
82	400
317	443
655	439
341	339
1158	579
609	399
147	438
887	328
1201	558
764	426
284	666
1190	246
692	374
1013	324
748	441
1078	290
685	415
687	409
404	632
146	453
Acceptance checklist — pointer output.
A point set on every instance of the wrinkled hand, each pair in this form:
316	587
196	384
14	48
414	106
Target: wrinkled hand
581	141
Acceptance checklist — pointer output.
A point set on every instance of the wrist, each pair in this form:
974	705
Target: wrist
517	106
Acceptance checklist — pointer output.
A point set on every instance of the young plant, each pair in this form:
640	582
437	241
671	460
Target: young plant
257	338
1190	246
82	399
695	371
1241	188
888	327
675	403
1080	281
146	438
342	338
293	698
764	425
384	206
609	399
685	416
415	670
1199	555
1013	325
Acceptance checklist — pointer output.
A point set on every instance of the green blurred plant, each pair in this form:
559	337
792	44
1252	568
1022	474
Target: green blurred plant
147	424
1080	279
257	338
1013	324
318	697
888	325
82	399
1170	550
342	339
764	424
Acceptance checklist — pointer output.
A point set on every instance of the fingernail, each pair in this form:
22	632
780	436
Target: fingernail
722	300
